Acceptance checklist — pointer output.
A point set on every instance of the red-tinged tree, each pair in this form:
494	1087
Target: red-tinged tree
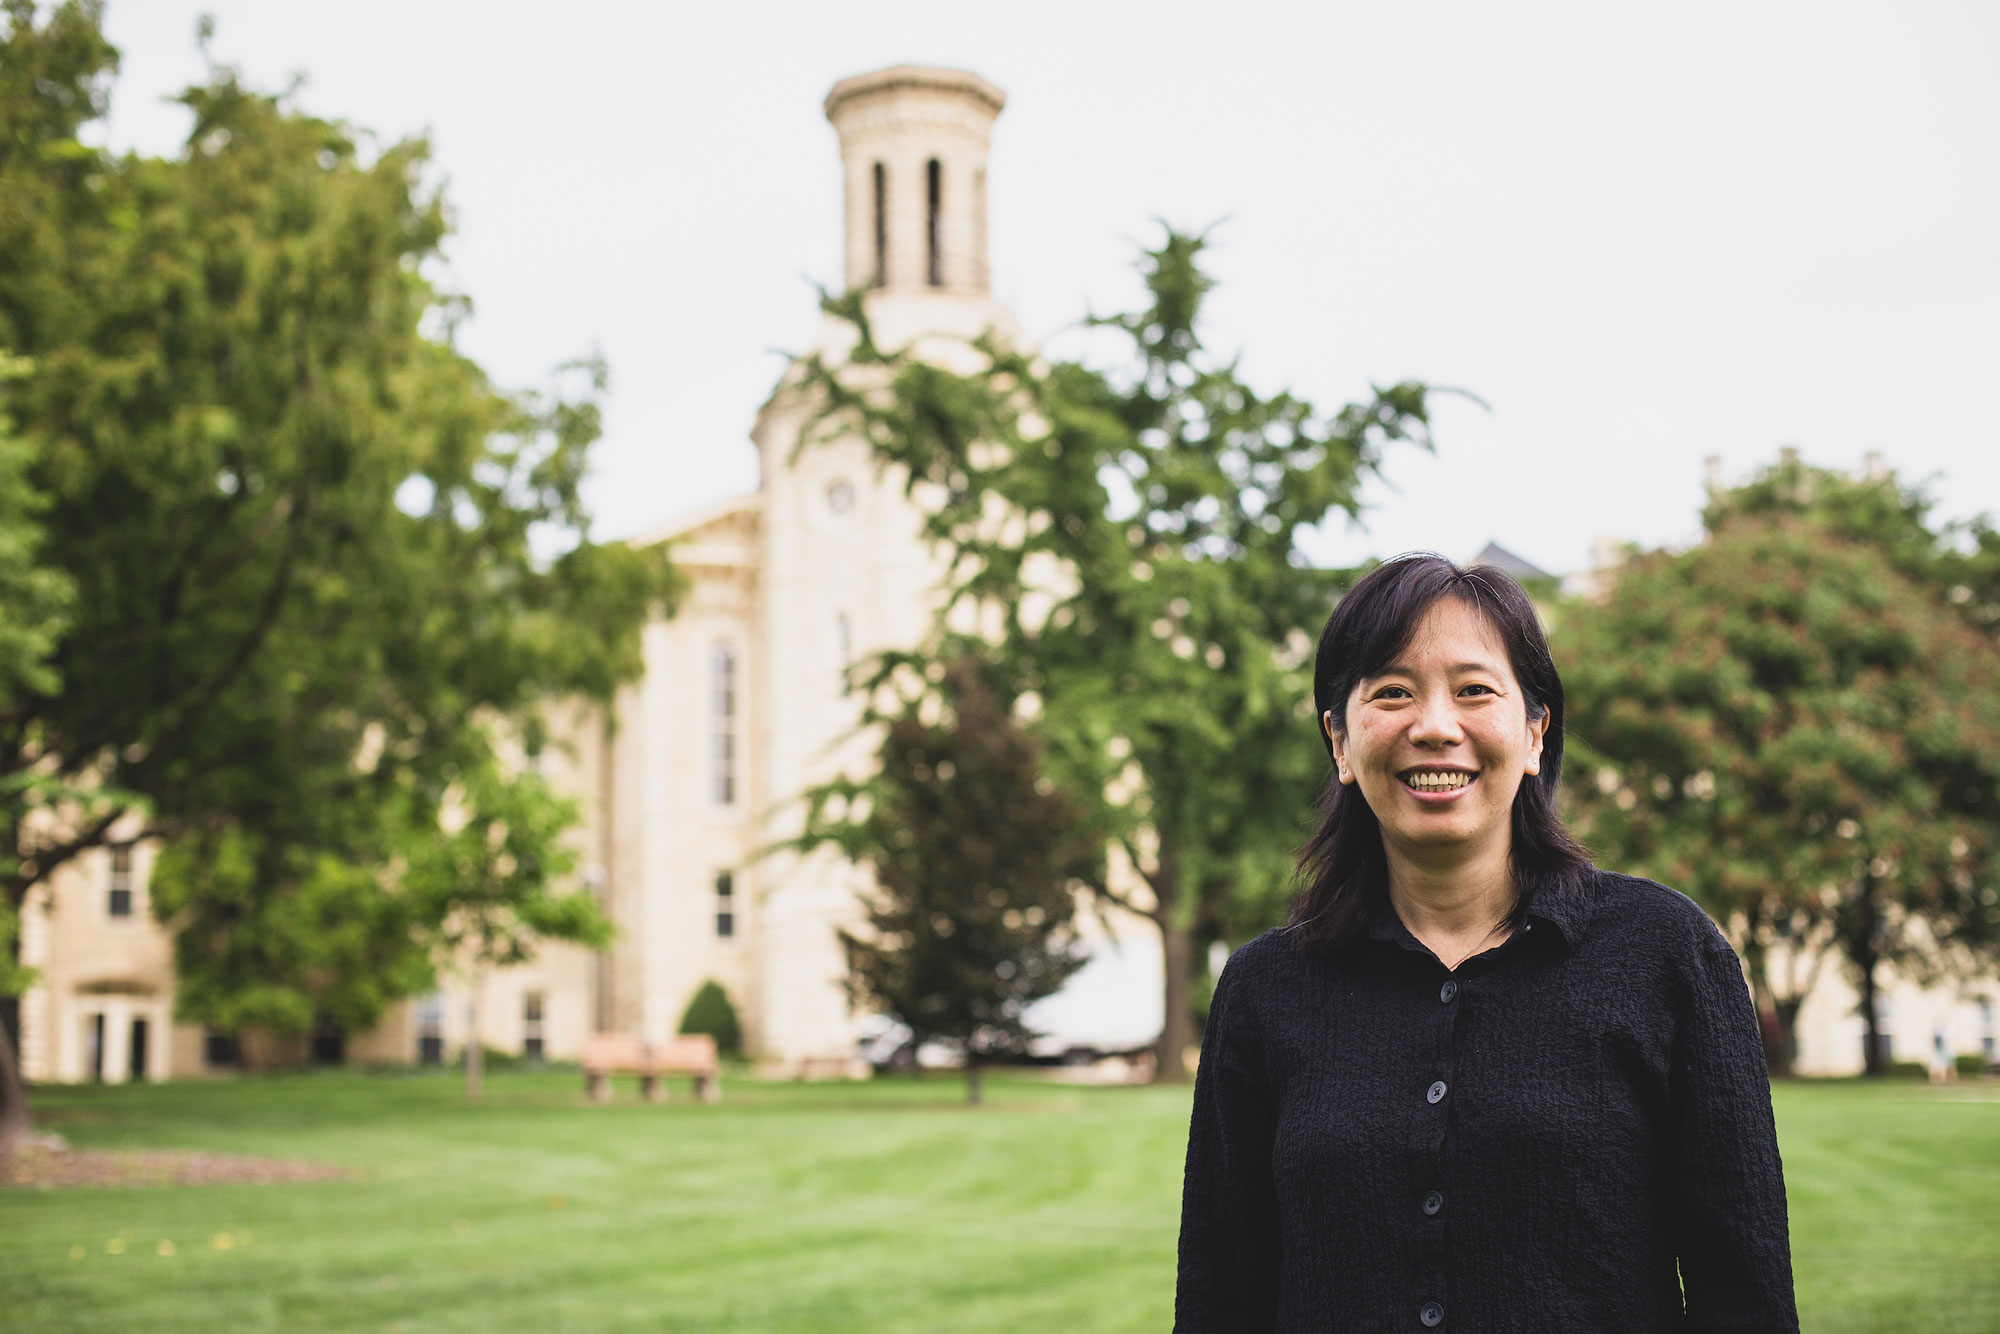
1785	724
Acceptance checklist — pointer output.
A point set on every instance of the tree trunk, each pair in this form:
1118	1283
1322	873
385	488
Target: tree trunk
475	1044
1177	957
14	1123
1871	1054
14	1120
1177	1030
1777	1020
1781	1044
1862	950
974	1090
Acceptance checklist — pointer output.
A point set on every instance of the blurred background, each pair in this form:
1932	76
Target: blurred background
777	551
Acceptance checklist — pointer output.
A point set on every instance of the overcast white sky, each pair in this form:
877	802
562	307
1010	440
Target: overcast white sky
1642	234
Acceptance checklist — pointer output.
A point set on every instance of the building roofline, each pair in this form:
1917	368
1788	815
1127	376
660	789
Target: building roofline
701	518
914	76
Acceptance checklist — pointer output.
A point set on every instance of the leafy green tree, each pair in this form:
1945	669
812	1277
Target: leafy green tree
1785	725
1130	539
317	557
66	62
34	607
498	883
977	859
710	1011
35	600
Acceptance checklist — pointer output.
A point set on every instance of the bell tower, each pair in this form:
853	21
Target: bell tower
913	141
842	568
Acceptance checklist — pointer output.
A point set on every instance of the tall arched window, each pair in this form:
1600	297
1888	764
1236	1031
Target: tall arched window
843	632
881	224
723	696
935	183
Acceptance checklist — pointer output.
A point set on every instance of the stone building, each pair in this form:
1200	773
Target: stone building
741	705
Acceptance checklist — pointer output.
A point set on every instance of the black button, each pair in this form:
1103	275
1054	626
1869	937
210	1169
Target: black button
1447	991
1436	1093
1432	1315
1433	1202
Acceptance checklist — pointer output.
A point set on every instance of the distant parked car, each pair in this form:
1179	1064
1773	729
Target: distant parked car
887	1044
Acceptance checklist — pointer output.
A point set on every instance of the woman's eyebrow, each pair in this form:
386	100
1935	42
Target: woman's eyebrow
1456	669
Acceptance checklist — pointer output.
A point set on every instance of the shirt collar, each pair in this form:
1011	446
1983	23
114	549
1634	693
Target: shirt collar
1561	915
1566	913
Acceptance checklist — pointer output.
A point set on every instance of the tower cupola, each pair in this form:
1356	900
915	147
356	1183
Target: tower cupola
913	141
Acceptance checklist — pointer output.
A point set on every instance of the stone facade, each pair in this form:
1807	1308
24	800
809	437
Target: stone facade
102	1007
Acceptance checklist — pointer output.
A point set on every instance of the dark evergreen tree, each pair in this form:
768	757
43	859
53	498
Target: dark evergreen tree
977	858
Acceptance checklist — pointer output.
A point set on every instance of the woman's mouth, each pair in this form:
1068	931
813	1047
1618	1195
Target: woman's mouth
1437	782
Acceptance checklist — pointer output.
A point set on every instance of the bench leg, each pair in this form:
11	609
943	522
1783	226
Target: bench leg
650	1088
708	1087
598	1086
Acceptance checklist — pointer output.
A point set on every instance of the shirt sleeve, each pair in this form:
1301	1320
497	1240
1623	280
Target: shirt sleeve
1731	1232
1228	1279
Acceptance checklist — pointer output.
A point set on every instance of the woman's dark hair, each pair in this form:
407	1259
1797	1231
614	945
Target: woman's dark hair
1342	876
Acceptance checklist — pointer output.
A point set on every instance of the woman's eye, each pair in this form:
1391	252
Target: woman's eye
1476	689
1392	692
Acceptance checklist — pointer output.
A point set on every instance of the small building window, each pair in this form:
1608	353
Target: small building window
725	906
430	1030
119	903
724	699
881	225
221	1051
328	1044
531	1026
843	633
934	181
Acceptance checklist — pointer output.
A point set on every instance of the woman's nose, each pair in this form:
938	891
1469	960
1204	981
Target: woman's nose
1436	723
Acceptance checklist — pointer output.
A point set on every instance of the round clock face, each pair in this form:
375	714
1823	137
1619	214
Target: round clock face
840	495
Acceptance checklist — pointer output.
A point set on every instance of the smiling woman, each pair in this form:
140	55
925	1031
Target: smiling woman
1475	1080
1436	697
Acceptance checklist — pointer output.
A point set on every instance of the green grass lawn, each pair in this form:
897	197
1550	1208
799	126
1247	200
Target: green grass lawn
881	1207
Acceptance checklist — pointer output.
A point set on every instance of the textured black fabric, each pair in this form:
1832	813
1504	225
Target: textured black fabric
1533	1142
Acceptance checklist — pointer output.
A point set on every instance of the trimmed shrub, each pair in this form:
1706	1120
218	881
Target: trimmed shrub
712	1013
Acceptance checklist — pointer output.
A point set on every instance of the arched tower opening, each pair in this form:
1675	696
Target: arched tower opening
914	143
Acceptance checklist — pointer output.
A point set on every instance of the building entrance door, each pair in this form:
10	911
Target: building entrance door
137	1050
93	1046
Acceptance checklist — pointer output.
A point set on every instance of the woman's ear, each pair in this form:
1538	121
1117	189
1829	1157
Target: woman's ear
1536	728
1339	744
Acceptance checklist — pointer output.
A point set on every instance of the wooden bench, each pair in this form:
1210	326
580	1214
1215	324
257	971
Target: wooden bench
608	1054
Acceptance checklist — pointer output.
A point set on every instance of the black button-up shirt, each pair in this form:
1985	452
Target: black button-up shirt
1572	1131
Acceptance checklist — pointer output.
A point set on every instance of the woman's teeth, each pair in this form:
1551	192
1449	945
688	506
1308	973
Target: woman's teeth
1437	782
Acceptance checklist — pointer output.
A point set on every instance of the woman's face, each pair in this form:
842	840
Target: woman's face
1439	740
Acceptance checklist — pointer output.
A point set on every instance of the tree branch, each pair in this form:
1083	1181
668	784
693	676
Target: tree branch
46	860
